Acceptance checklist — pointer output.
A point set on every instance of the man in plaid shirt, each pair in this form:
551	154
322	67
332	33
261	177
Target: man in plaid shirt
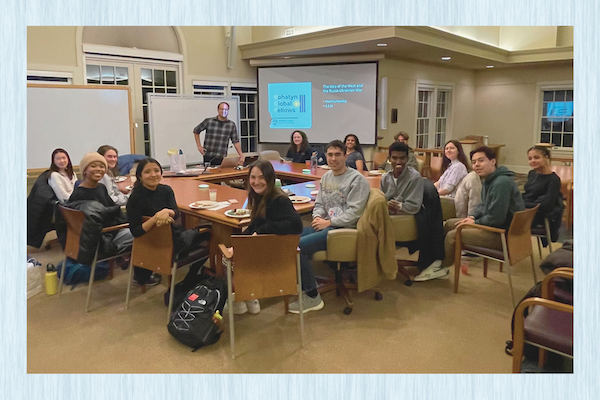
219	130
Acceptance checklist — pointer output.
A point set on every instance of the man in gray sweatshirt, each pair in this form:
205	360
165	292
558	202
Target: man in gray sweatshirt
341	200
403	185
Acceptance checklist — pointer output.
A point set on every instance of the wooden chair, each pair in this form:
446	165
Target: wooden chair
258	273
270	155
154	251
542	232
74	220
516	246
549	324
379	158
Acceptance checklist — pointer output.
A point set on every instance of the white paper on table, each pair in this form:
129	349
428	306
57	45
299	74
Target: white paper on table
219	205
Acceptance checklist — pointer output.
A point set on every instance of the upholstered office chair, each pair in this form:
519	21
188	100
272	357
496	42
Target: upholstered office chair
549	324
253	273
74	220
420	163
342	249
405	231
516	246
270	155
154	251
448	207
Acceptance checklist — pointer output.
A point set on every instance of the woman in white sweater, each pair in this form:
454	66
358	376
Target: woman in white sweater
62	178
109	180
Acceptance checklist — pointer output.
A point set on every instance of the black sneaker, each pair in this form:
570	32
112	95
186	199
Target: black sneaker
153	280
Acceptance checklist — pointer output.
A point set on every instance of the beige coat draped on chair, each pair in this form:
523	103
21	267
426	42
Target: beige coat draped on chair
375	242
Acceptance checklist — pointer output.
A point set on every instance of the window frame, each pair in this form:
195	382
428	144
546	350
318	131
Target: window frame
537	130
435	88
247	88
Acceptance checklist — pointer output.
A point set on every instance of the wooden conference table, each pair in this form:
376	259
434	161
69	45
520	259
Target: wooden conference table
187	191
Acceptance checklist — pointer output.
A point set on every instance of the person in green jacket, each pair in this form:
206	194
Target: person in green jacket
500	199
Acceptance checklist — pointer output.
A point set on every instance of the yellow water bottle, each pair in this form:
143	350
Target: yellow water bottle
51	280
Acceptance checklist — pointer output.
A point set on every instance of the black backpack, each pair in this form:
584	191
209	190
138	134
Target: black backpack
191	322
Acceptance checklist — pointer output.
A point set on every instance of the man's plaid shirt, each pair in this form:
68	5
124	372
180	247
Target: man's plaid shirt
217	135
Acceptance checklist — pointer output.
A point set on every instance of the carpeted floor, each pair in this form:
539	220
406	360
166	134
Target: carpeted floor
425	328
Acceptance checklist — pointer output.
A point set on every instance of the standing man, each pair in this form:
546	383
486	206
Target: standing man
340	202
500	199
219	130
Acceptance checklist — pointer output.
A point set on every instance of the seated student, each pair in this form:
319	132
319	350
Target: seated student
149	198
300	150
272	212
354	153
543	188
108	180
342	198
403	185
454	168
500	199
93	167
402	137
62	178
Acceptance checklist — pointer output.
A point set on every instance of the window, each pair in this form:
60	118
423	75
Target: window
50	77
248	132
155	80
210	88
556	125
433	112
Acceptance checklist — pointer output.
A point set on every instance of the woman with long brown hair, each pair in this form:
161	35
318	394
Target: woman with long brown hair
454	168
271	212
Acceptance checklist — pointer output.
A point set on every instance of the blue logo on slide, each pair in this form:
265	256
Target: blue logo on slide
290	105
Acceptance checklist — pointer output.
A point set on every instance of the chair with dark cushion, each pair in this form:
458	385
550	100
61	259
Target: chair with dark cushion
549	324
516	246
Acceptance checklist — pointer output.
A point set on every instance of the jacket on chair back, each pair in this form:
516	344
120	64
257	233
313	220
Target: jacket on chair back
375	240
97	217
40	209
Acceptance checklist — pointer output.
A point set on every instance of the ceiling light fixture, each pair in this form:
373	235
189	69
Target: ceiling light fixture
446	58
489	66
381	44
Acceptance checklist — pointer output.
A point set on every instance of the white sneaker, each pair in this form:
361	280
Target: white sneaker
239	307
434	271
253	306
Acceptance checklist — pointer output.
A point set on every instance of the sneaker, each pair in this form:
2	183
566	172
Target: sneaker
434	271
309	303
152	281
253	306
239	307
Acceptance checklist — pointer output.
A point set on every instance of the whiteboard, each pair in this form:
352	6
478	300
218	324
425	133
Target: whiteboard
78	119
174	117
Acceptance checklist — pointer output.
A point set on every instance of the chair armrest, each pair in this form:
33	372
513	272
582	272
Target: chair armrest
405	228
341	244
227	253
548	282
115	228
480	227
204	230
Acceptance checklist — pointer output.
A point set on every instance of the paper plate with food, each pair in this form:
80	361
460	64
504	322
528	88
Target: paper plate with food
202	204
299	199
238	213
120	179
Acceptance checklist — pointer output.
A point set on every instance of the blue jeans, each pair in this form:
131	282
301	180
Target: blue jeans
311	241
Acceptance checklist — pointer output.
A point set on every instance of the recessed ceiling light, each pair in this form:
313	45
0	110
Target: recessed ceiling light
489	66
446	58
381	44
